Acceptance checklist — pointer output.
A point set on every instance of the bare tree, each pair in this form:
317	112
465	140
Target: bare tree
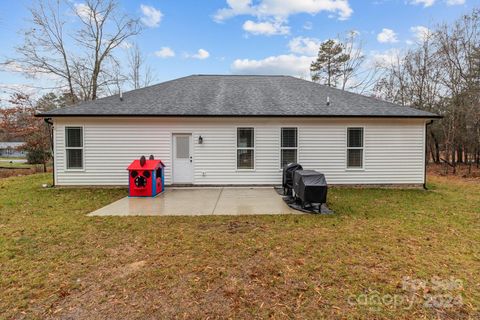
341	63
356	75
44	50
139	73
442	74
78	57
97	16
391	85
457	47
329	65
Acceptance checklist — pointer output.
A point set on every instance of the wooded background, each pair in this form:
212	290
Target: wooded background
440	73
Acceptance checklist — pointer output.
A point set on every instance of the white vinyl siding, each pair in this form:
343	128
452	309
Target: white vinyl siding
393	149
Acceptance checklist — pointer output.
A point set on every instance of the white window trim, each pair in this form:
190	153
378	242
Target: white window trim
245	148
362	168
287	148
72	148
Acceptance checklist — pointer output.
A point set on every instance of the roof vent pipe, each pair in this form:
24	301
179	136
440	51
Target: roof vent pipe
328	101
121	95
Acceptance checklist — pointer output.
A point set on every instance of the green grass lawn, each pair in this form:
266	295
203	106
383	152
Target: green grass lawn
13	164
56	262
11	158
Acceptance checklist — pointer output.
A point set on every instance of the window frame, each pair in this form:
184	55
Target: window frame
288	148
74	148
347	148
245	148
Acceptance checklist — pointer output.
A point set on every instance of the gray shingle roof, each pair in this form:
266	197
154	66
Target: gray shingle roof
227	95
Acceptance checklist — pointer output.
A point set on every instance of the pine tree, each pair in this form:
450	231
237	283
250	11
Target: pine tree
327	69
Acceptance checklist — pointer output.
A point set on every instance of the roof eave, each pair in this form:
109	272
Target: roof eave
87	115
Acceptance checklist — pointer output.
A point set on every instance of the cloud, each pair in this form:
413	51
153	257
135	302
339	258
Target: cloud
235	8
126	45
30	71
288	64
425	3
84	11
455	2
387	36
13	66
308	25
6	89
151	16
165	52
385	58
266	28
201	54
283	8
303	51
304	46
421	33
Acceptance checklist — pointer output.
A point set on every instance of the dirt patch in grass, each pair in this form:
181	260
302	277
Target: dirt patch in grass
462	171
58	263
19	172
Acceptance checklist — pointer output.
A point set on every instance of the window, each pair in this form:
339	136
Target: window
355	148
288	147
245	148
74	147
183	147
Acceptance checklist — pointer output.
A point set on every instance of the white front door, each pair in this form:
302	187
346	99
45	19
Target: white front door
182	158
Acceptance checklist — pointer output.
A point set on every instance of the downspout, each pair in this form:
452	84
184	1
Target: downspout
49	122
426	155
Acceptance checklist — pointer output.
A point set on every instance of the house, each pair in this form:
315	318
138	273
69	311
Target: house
240	130
10	150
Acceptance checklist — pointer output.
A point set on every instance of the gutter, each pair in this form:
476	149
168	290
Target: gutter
426	155
49	122
89	115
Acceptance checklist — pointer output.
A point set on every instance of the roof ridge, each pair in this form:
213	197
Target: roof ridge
238	75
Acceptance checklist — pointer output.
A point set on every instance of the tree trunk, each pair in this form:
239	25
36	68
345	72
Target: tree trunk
460	154
95	74
432	152
454	160
435	149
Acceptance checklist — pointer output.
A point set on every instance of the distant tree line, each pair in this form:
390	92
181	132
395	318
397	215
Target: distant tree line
78	46
18	122
440	74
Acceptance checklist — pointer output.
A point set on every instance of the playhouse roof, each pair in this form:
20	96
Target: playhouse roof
149	165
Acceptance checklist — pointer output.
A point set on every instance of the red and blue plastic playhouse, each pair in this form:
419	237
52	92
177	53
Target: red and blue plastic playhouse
146	177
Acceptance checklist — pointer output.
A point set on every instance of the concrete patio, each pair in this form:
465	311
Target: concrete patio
201	201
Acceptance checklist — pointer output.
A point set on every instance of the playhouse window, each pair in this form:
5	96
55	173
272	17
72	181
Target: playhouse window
74	147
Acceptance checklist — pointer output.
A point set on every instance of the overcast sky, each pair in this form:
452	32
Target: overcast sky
184	37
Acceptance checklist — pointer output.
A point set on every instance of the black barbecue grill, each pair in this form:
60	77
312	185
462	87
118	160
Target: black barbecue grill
287	180
310	187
